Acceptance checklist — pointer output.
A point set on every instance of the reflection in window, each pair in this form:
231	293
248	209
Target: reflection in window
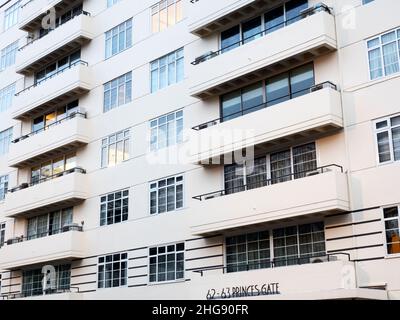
391	218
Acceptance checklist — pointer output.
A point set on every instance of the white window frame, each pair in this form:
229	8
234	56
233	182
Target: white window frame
387	254
11	15
126	260
183	279
182	182
3	186
108	36
388	129
6	137
8	55
155	10
105	144
6	97
178	139
113	201
124	81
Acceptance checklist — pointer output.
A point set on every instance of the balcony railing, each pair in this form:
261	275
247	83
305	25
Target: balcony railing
304	14
21	295
275	263
32	40
42	180
268	182
48	233
290	96
79	62
71	116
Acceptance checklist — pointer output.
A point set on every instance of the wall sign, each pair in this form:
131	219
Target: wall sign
253	290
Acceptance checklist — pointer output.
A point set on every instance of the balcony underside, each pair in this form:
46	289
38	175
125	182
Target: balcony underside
35	21
56	53
65	148
63	98
262	73
220	22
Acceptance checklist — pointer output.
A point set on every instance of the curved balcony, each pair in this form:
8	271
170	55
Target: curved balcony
63	136
316	192
65	189
59	88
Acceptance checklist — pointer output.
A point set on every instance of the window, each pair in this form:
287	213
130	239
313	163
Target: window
51	168
8	54
119	38
5	140
110	3
6	97
45	121
115	149
280	88
383	54
273	168
49	224
11	15
32	281
118	92
112	271
114	207
256	27
166	131
248	252
166	195
391	218
3	187
283	246
167	70
165	14
388	139
2	234
167	263
57	66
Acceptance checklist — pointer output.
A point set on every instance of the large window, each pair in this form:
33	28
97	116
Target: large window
277	89
8	54
32	281
2	234
114	207
6	97
51	168
166	195
279	247
166	13
391	218
277	167
167	70
167	263
115	149
112	271
254	28
383	54
5	141
49	224
118	92
3	186
57	66
119	38
11	15
166	131
388	139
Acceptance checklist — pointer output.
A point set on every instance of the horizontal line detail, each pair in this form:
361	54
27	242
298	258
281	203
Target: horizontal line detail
355	236
83	283
84	274
352	224
205	247
351	212
206	257
86	266
369	259
137	258
356	248
202	238
138	276
137	285
10	285
205	268
138	267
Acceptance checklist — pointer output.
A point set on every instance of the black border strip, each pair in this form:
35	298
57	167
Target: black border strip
204	268
83	275
139	276
369	259
11	285
206	257
355	248
351	212
352	224
137	258
83	283
202	238
205	247
86	266
355	236
138	267
137	285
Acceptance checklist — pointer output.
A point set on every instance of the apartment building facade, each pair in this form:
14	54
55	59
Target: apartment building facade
183	149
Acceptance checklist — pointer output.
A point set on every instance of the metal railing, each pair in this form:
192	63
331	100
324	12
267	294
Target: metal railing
304	14
276	263
32	40
270	103
22	295
268	182
48	233
80	62
42	180
71	116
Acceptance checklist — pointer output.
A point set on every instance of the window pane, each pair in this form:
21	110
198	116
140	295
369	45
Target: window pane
230	39
231	106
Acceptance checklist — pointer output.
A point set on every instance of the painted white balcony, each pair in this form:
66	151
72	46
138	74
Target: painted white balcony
219	72
310	116
54	90
318	192
64	39
63	190
59	247
63	136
